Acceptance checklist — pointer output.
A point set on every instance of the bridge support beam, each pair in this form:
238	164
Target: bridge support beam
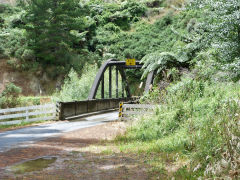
110	82
125	85
102	89
97	80
116	82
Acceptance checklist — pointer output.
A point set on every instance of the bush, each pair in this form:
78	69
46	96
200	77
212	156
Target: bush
136	9
1	22
30	100
221	26
14	42
197	118
76	88
9	98
154	3
5	8
28	55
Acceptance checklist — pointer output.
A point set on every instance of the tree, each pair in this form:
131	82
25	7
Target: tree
222	26
55	29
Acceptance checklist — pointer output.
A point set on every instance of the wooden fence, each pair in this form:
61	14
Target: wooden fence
128	110
27	114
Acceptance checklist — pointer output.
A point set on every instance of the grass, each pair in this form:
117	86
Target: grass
23	124
196	121
33	100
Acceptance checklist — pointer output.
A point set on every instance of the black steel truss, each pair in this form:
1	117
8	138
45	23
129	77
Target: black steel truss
120	66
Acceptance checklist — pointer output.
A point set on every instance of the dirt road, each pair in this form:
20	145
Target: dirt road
25	136
87	153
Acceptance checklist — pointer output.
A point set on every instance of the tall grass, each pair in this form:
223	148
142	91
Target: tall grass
200	119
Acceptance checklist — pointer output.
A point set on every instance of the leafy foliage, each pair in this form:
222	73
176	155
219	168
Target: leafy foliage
219	30
10	96
75	88
196	118
222	26
53	28
159	61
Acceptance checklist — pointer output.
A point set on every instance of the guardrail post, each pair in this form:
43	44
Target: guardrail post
123	88
27	115
60	111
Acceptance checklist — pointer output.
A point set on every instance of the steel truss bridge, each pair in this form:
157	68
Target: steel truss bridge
74	109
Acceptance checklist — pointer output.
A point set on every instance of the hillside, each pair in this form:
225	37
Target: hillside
97	40
32	83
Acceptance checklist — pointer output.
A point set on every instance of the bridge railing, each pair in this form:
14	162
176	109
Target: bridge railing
72	109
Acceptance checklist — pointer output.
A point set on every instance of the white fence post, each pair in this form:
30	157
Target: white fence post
27	115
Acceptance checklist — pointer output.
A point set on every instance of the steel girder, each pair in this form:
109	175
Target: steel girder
120	66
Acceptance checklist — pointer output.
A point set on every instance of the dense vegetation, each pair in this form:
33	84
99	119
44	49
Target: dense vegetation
64	34
198	113
194	46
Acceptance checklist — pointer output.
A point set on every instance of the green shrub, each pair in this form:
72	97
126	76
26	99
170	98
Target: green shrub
197	118
134	8
10	96
221	26
76	88
5	8
28	55
1	22
29	100
14	42
154	3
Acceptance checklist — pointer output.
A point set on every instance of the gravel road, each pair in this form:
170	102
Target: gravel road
22	137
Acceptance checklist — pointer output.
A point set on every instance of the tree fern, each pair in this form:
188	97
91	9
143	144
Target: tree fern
158	61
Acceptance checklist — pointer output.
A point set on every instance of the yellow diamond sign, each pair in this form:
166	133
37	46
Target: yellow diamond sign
130	62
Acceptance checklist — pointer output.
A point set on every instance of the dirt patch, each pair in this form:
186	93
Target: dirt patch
83	154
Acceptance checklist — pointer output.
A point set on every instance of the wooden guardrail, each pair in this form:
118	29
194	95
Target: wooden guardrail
27	114
127	110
